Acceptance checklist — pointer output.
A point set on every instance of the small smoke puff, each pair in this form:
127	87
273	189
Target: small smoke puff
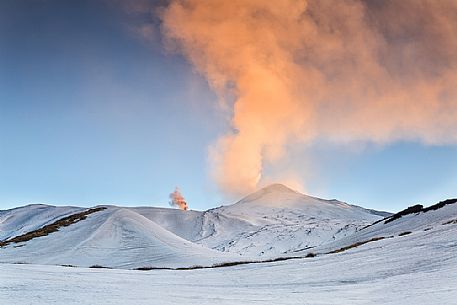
301	70
177	200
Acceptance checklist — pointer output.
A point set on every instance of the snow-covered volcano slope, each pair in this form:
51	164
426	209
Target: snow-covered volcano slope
271	222
275	221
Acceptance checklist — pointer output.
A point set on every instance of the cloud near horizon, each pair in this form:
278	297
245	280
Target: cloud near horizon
299	71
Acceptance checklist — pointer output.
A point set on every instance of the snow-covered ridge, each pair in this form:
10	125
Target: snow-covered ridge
273	222
24	219
436	218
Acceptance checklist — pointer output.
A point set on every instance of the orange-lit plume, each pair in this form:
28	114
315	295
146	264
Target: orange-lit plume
343	70
177	200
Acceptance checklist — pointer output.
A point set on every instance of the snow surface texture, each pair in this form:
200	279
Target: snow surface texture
273	222
419	268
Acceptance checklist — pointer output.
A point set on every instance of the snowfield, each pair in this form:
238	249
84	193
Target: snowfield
330	253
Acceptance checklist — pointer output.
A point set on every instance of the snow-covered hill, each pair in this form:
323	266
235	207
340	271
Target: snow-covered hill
114	237
273	222
277	220
31	217
419	223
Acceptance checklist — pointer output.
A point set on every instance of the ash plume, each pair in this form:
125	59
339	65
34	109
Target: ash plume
177	200
304	70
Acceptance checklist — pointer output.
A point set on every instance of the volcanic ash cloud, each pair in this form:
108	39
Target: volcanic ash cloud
344	71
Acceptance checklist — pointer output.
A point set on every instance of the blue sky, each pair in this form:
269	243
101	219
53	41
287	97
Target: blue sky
91	114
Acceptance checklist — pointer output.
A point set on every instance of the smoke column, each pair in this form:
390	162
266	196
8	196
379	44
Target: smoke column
177	200
343	70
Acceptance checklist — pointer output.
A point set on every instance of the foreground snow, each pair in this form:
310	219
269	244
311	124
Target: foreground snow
418	268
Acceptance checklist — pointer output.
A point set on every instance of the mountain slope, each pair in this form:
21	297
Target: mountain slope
115	237
278	220
273	222
31	217
439	218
